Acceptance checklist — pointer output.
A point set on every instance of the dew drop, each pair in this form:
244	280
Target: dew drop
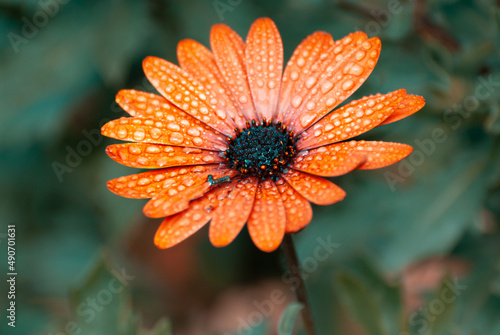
326	87
330	102
296	101
356	70
306	119
122	132
173	126
310	82
193	132
221	114
176	138
134	149
243	99
208	159
153	149
311	105
347	85
139	134
144	181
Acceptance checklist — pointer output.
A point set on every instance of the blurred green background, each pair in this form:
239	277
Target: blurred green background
417	244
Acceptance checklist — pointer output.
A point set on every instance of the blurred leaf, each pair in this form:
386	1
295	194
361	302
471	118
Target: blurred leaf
287	320
102	305
440	323
369	299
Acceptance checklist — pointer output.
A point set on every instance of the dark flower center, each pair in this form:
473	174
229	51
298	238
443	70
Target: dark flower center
261	150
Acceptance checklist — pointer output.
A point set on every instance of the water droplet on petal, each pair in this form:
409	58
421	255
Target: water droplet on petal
296	101
139	134
310	82
306	119
176	138
347	85
193	132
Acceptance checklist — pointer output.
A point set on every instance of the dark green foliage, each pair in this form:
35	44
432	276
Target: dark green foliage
57	88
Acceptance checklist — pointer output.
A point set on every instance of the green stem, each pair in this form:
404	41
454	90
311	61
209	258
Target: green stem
300	291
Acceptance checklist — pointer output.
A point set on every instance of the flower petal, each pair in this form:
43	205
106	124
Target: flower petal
351	120
176	132
181	89
328	161
379	154
152	156
337	77
229	52
232	214
200	63
177	197
298	210
267	221
315	189
152	106
177	228
304	60
409	105
148	184
264	64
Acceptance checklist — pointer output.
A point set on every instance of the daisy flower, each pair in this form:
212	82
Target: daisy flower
234	139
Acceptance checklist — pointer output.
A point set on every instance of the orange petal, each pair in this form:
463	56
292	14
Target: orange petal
351	61
199	62
315	189
298	210
181	89
351	120
177	197
229	52
409	105
264	63
267	221
305	58
152	156
379	154
178	227
148	184
175	132
152	106
328	161
232	214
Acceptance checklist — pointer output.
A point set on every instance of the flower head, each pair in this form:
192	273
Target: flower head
234	139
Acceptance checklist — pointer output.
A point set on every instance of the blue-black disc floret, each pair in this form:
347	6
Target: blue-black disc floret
263	150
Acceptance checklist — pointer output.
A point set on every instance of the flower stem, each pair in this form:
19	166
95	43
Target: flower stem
293	266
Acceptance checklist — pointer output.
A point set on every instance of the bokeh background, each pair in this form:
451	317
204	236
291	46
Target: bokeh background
413	249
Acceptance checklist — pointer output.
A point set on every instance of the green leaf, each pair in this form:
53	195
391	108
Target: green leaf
102	305
288	317
369	299
441	321
361	305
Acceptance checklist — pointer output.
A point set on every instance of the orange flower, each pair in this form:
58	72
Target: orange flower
236	140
